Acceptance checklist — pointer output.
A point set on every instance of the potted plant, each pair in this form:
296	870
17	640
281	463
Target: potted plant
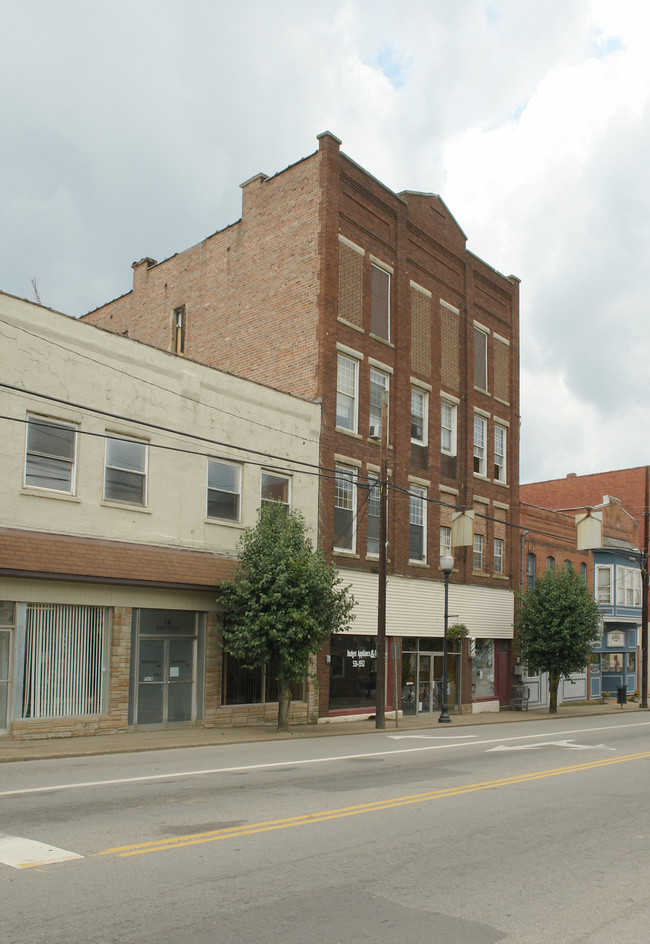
457	632
605	697
634	696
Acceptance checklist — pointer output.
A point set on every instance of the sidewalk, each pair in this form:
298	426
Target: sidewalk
133	741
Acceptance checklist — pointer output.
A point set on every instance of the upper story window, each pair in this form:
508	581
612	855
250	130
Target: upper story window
445	541
480	437
417	524
530	571
630	585
179	330
499	453
583	572
50	454
374	510
347	392
380	302
224	490
480	358
379	385
604	584
125	471
498	555
478	552
550	563
276	488
345	508
419	416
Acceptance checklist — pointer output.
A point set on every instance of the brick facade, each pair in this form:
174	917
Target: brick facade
273	295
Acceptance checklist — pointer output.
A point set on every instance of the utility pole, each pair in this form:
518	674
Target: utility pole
380	714
644	595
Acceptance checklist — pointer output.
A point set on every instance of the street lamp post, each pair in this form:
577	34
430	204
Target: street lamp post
446	563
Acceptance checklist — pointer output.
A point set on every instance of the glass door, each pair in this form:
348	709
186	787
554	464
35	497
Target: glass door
5	663
166	680
425	685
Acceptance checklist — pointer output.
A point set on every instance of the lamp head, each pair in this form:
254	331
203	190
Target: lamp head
447	564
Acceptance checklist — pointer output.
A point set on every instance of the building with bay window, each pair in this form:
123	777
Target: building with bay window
128	476
370	298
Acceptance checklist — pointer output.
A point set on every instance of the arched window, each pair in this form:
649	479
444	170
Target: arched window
550	563
530	571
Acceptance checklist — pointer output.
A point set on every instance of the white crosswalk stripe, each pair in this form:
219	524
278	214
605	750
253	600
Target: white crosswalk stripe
22	853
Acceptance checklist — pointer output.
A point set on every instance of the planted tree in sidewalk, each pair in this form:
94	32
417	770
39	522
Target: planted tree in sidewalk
558	626
283	602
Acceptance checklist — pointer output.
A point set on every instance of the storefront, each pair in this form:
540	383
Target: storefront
422	676
614	662
353	673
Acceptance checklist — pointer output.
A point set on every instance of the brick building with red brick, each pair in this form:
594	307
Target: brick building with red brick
334	288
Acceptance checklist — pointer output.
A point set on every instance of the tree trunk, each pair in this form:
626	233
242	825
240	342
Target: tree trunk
284	703
553	684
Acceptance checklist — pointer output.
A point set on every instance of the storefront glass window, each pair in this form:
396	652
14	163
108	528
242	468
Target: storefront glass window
483	669
353	671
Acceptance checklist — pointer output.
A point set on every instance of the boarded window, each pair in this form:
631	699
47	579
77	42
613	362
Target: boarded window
350	285
420	333
449	352
501	370
380	302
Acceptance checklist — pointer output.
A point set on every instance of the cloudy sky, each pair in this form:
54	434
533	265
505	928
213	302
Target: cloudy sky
127	127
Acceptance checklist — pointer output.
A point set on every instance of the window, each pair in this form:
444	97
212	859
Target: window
65	667
631	586
380	302
417	524
345	509
445	541
499	453
179	330
448	428
550	564
50	454
530	571
276	488
583	573
604	584
125	473
347	388
483	669
419	416
480	359
477	559
567	565
480	431
498	555
224	490
373	519
243	686
378	389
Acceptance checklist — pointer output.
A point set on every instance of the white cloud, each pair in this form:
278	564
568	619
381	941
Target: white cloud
131	126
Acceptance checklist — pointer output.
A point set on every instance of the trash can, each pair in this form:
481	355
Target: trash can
621	697
520	695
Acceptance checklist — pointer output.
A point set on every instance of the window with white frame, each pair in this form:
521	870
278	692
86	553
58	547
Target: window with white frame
125	471
478	554
374	507
604	584
345	508
480	358
224	490
417	524
50	454
445	541
380	302
480	438
498	555
419	416
499	453
347	392
448	413
379	386
276	488
630	585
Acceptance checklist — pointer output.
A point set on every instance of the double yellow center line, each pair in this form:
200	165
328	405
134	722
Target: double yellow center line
307	819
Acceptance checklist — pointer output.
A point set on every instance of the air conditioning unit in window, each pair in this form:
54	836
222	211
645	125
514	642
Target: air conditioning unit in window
375	431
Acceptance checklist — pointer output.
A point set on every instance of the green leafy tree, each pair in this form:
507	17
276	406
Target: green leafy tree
559	624
283	602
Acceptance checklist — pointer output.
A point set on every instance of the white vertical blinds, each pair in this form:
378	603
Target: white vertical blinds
64	654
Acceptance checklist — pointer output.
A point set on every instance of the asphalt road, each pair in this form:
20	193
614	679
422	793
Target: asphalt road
530	833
